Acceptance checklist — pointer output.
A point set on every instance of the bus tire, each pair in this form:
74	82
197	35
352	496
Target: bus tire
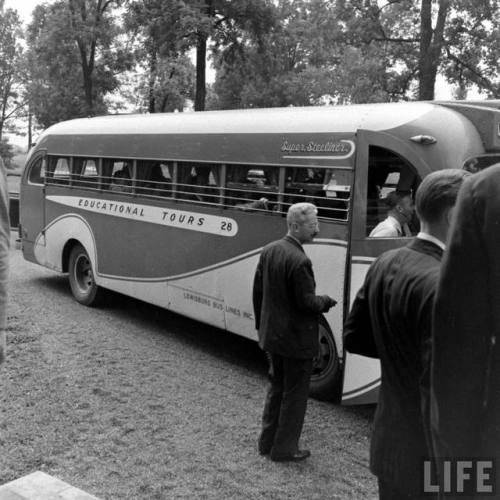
326	373
81	278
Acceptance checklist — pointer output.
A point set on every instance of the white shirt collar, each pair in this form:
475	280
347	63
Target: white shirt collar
394	222
432	239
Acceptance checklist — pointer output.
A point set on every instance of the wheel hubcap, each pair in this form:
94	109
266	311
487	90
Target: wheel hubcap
324	361
84	277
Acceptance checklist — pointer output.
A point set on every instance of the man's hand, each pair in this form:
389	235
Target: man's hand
329	302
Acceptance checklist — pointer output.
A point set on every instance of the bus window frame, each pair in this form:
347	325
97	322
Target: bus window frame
478	159
56	180
222	185
107	180
78	180
41	154
187	193
367	138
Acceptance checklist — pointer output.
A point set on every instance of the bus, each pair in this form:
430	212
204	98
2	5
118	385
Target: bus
174	209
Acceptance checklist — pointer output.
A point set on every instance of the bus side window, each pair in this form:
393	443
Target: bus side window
328	189
207	180
249	186
153	178
85	173
198	182
237	173
479	163
117	175
186	180
37	172
390	178
59	168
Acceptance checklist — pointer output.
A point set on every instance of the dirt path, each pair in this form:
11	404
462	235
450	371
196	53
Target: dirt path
132	402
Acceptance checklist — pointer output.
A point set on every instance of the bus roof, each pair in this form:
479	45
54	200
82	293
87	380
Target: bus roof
318	119
260	136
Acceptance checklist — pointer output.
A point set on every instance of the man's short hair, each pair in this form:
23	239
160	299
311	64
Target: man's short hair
299	211
395	197
438	193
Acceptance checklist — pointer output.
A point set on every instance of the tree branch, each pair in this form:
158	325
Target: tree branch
478	78
17	108
389	4
105	6
396	40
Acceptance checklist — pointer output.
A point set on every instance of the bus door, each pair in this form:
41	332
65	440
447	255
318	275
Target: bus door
32	215
384	164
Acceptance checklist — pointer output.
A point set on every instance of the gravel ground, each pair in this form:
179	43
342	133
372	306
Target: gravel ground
133	402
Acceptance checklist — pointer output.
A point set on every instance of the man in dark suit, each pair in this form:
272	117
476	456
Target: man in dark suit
465	383
286	317
391	319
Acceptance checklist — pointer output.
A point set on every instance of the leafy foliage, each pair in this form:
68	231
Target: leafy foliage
265	52
418	39
6	152
228	23
11	103
472	55
166	74
361	51
70	60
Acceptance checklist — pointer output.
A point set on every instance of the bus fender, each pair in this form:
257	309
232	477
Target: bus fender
60	236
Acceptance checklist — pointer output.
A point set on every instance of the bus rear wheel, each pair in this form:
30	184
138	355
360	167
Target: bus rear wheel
81	278
326	374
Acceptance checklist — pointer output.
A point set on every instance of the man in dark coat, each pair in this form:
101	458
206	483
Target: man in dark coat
465	383
391	319
286	317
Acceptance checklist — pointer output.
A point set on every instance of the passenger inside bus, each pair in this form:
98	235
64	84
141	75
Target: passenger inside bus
252	187
400	213
206	178
329	190
390	173
158	184
121	181
260	204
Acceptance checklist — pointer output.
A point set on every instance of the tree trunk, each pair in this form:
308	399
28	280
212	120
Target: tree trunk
3	108
431	44
153	68
201	54
201	61
87	85
87	52
30	128
428	72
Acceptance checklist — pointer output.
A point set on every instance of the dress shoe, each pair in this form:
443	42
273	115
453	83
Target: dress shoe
291	457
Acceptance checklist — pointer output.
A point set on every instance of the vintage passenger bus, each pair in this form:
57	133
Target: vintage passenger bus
174	209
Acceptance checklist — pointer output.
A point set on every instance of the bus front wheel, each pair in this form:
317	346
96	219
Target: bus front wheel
326	374
81	278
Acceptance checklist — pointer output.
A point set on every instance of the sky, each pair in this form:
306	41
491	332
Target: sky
24	7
